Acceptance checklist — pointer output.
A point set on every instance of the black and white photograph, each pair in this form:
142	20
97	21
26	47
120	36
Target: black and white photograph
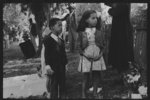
70	50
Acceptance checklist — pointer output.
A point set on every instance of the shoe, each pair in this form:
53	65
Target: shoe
99	89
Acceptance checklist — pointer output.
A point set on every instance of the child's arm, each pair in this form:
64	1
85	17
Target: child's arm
101	42
100	55
46	69
83	42
43	59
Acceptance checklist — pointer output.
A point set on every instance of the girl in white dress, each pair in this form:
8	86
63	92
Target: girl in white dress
91	50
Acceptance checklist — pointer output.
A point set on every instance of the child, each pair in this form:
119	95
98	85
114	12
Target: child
91	44
55	60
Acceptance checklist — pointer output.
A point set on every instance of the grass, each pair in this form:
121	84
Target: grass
12	53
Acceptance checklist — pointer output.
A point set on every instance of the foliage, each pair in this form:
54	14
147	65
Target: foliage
132	77
139	15
18	14
106	18
132	80
11	13
38	10
14	20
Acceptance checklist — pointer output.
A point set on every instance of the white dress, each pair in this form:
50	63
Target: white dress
91	51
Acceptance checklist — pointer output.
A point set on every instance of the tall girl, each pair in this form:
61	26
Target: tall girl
91	51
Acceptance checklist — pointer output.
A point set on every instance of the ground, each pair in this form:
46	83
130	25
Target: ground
14	65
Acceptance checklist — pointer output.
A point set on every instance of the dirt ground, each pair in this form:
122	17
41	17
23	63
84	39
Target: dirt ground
16	66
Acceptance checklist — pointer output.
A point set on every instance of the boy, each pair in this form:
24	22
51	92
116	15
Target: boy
55	60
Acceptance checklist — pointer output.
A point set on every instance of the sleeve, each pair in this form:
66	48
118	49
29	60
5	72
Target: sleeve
100	40
103	41
43	64
45	42
120	9
83	41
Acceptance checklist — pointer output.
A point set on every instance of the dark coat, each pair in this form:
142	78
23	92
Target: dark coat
55	54
121	43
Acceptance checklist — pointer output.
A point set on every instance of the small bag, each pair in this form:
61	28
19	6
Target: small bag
28	49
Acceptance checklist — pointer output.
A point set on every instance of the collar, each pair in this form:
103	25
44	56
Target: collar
90	30
54	37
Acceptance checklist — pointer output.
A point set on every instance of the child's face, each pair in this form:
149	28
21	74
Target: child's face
92	20
58	27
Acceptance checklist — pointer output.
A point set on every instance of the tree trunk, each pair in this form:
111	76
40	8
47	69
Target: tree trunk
48	15
73	35
73	40
40	18
39	30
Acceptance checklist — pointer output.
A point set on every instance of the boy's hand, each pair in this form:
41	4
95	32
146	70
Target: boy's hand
49	71
39	73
